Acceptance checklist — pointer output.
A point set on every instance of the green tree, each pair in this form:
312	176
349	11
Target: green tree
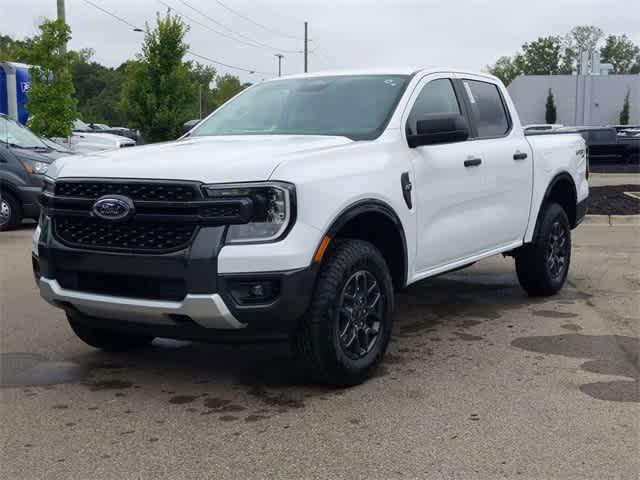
584	38
506	68
97	89
14	50
227	86
622	53
545	56
203	77
51	102
550	109
159	92
625	112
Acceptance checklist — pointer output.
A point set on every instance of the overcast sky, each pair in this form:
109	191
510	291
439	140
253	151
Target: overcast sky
345	33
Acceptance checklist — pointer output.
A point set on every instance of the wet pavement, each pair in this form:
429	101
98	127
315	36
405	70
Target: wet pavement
480	382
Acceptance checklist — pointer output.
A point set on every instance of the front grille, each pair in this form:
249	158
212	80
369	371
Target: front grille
166	215
221	210
89	232
172	289
140	191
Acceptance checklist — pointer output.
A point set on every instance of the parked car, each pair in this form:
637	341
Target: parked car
189	124
85	140
122	131
629	140
24	160
296	210
55	146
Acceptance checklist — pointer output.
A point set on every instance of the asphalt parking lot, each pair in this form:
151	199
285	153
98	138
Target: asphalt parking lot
480	382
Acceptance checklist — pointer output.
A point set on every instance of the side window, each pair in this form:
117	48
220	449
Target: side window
436	97
487	108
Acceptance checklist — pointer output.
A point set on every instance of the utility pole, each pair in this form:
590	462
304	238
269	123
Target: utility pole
306	47
62	16
280	57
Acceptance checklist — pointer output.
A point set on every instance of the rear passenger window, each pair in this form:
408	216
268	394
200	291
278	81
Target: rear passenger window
437	97
487	109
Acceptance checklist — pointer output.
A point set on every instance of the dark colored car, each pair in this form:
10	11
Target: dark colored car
24	159
80	126
629	138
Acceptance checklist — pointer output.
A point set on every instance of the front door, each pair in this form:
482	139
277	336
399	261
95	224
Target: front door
449	183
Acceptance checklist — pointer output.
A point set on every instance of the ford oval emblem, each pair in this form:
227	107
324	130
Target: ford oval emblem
113	207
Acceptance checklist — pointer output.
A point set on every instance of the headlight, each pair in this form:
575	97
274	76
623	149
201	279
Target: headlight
32	166
272	211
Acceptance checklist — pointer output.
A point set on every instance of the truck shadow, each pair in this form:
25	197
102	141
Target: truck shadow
465	300
263	380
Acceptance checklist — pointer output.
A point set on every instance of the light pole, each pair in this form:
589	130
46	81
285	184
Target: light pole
280	57
62	16
306	47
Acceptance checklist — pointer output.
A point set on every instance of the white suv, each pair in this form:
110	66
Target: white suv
295	210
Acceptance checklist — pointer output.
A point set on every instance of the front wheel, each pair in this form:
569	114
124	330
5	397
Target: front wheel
10	212
344	336
543	265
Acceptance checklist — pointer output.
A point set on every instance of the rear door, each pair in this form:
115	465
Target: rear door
507	164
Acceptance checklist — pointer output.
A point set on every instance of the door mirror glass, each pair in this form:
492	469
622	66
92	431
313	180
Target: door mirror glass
436	129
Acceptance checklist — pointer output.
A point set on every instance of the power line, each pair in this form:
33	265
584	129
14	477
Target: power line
235	12
208	17
111	14
225	64
252	43
233	67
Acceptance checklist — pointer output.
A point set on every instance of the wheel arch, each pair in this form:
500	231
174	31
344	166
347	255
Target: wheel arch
562	190
375	221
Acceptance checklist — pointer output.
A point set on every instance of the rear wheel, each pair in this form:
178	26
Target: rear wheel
543	265
344	336
108	340
10	212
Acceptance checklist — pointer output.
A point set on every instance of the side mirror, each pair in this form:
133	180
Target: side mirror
439	129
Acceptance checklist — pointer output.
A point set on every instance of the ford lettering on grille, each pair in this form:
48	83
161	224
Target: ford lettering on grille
113	207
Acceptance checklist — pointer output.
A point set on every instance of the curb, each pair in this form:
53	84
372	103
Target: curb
612	220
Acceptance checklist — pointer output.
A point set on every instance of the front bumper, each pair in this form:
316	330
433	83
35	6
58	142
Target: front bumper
208	311
176	295
29	199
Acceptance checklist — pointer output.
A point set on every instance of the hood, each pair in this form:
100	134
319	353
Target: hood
44	156
221	159
106	138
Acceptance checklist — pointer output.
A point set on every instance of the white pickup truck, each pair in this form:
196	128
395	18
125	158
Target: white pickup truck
295	210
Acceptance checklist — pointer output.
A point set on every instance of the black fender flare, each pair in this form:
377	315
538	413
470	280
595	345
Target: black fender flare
372	206
545	198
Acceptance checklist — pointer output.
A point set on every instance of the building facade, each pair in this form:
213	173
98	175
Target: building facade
579	100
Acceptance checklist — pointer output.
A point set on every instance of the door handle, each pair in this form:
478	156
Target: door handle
519	156
472	162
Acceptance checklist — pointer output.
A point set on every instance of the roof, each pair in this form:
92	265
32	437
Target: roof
382	71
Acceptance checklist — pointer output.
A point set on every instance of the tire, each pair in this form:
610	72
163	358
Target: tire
543	265
109	341
333	346
10	212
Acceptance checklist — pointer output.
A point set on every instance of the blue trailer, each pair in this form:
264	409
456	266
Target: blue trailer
15	84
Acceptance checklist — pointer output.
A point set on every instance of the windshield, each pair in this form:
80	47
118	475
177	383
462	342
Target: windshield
357	107
14	134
